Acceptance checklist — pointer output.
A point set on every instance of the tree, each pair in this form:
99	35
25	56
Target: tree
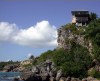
31	57
93	16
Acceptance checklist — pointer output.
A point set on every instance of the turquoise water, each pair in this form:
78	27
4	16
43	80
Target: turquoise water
9	76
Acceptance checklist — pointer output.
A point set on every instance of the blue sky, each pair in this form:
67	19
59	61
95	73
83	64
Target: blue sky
21	16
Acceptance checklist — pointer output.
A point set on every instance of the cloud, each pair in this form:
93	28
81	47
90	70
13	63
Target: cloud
40	35
6	31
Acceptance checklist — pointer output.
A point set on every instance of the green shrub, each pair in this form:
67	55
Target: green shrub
96	52
44	56
74	62
74	29
93	33
94	73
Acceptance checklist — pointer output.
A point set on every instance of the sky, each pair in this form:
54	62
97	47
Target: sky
29	27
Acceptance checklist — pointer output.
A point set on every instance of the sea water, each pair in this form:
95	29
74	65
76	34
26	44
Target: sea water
9	76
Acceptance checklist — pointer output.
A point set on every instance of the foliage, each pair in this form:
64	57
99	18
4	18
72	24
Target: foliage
2	64
93	33
31	57
93	16
44	56
96	52
74	29
74	62
94	73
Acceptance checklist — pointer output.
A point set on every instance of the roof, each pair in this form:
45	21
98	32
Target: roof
80	12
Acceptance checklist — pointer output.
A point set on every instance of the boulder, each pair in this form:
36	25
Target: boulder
11	67
52	79
84	79
62	79
16	79
68	79
35	70
75	79
26	75
59	74
34	78
45	76
92	79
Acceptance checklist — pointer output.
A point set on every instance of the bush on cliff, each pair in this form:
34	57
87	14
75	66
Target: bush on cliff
44	56
74	29
93	33
74	62
94	73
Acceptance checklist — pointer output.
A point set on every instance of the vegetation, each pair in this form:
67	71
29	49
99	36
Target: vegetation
46	55
2	64
74	62
94	73
75	30
93	33
31	57
93	16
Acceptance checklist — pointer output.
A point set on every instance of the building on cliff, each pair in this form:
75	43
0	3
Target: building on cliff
66	36
80	18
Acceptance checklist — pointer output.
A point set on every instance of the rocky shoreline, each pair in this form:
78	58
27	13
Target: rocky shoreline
47	72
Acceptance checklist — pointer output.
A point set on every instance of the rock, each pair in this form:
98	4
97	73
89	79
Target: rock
66	37
62	79
92	79
59	74
16	79
52	79
26	75
68	79
48	65
75	79
34	78
10	67
84	79
44	70
35	70
45	76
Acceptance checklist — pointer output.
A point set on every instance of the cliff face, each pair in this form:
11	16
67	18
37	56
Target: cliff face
66	37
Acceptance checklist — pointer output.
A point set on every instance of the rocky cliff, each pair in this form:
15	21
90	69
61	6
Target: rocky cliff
66	36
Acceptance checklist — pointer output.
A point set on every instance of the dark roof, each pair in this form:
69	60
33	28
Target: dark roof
80	12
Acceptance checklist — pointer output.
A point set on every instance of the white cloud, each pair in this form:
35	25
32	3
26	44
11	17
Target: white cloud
40	35
6	31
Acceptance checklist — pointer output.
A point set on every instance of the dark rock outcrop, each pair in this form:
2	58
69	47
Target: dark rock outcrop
42	72
10	67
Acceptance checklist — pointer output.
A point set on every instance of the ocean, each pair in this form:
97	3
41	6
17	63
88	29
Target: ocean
9	76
